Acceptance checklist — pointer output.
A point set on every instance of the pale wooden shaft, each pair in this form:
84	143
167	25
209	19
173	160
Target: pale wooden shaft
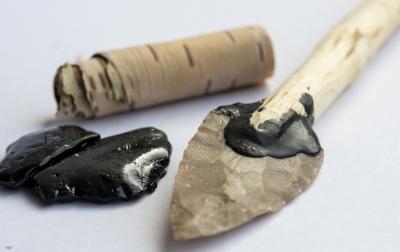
337	61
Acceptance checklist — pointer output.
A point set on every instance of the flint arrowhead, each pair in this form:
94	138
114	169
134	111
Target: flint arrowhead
217	189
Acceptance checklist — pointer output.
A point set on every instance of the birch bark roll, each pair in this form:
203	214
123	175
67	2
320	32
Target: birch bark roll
147	75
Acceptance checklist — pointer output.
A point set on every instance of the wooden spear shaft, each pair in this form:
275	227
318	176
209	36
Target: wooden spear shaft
336	62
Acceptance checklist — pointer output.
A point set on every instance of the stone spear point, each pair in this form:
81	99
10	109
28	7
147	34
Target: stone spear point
247	160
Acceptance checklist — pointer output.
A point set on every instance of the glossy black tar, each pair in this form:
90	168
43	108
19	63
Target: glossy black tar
283	138
34	152
120	167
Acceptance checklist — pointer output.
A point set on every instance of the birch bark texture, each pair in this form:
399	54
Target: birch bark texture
147	75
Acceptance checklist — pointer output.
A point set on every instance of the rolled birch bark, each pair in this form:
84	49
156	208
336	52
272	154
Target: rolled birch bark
147	75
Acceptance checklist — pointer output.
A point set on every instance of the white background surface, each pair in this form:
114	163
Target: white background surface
354	205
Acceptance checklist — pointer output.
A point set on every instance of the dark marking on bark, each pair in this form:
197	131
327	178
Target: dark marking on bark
261	51
61	95
102	60
106	61
153	52
106	81
103	81
230	36
90	96
131	82
78	76
208	87
189	55
92	84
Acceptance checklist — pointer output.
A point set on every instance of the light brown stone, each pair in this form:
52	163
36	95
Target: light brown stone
217	190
